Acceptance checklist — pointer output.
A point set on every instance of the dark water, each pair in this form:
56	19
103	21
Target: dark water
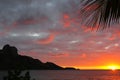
71	75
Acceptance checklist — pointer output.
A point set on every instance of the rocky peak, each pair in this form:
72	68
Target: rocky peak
10	50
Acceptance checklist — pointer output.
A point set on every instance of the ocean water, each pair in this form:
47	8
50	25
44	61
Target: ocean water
71	75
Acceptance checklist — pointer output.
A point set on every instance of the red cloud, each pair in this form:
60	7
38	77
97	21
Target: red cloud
66	20
47	40
113	37
30	21
64	54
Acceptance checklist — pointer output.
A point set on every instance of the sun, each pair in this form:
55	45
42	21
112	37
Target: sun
113	68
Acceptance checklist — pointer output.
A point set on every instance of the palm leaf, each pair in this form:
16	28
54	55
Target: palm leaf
100	13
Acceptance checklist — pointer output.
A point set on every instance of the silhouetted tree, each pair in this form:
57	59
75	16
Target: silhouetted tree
27	76
100	13
17	75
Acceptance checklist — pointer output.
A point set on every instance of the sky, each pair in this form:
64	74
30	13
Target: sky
51	30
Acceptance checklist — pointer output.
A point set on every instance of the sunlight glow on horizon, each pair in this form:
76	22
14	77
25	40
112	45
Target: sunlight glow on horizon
110	67
114	67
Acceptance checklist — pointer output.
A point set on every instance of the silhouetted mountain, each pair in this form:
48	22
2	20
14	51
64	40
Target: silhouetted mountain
69	68
10	59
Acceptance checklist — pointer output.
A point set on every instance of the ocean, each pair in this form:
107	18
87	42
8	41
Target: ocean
71	75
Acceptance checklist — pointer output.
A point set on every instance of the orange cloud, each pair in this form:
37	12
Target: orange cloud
86	29
47	40
113	37
66	20
66	16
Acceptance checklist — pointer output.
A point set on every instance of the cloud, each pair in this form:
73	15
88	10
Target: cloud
113	37
66	20
30	21
47	40
63	54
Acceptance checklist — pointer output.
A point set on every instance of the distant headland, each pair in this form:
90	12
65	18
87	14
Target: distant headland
10	59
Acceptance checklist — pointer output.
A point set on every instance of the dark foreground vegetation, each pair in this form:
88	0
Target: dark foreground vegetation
17	75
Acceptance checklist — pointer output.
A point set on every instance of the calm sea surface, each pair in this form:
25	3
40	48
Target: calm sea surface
71	75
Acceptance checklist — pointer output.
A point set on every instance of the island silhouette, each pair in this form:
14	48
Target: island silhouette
10	60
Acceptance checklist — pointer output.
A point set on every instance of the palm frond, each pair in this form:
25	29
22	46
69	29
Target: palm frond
100	13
